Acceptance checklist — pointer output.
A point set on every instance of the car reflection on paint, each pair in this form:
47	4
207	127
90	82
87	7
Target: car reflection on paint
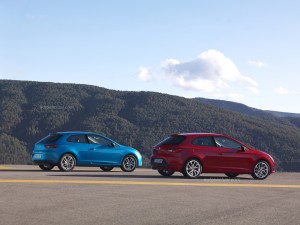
69	149
196	153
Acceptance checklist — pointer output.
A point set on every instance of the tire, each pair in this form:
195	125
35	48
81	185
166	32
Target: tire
261	170
67	162
46	167
166	173
129	163
192	168
231	175
106	168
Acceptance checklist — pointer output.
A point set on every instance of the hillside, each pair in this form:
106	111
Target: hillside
31	110
291	119
234	106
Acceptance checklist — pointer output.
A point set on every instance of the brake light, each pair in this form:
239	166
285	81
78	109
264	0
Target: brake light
51	146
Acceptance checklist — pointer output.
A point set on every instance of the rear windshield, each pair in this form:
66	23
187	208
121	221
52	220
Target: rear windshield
50	138
172	140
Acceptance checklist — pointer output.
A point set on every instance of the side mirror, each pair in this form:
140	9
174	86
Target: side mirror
244	148
113	145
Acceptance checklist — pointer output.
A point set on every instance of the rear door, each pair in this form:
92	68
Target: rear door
80	143
206	149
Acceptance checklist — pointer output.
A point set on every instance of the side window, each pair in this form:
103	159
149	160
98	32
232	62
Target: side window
96	139
223	142
77	138
204	141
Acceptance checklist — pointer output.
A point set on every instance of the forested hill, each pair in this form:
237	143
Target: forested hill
31	110
238	107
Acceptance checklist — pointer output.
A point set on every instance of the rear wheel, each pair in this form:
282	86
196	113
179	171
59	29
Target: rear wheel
231	175
46	167
192	169
67	162
106	168
261	170
129	163
166	173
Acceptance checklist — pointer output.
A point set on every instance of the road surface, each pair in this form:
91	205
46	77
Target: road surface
90	196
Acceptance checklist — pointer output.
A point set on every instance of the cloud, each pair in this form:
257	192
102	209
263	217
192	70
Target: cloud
210	71
144	75
258	64
285	91
253	90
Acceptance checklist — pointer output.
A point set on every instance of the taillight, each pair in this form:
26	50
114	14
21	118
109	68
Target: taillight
51	146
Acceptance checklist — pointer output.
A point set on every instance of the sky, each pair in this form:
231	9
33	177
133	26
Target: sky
242	51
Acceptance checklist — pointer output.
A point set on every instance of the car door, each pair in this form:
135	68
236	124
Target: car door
206	149
80	145
103	151
231	157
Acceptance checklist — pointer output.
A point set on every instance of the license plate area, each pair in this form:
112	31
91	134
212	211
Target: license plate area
158	161
37	156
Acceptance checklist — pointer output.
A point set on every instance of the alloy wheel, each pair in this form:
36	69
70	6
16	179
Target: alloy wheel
261	170
67	162
129	163
192	169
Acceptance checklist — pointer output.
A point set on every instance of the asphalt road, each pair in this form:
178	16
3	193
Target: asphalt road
90	196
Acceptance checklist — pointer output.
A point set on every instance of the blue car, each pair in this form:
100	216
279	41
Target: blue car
69	149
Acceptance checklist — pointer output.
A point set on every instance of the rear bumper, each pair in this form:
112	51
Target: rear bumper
167	163
44	162
42	157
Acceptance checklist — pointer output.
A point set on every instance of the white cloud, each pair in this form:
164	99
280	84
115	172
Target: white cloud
284	91
210	71
258	64
253	90
144	75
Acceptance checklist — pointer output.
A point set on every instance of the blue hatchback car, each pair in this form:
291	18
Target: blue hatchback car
69	149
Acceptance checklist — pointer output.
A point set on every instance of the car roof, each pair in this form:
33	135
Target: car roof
74	132
199	134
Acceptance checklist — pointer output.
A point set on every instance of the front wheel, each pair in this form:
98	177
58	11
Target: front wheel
261	170
129	163
46	167
231	175
166	173
192	169
67	162
106	168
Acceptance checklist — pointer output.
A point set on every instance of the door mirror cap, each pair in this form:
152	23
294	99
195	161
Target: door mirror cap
244	148
113	144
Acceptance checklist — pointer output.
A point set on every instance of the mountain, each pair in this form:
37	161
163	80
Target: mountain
241	108
283	114
31	110
293	119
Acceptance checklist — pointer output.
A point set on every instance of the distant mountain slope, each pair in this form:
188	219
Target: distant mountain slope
282	117
283	114
31	110
236	107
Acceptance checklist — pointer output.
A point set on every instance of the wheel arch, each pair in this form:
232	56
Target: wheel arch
71	153
192	157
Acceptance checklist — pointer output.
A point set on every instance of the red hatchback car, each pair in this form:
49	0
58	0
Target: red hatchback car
196	153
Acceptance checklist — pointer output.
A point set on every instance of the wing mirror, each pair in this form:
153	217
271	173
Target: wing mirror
113	144
244	148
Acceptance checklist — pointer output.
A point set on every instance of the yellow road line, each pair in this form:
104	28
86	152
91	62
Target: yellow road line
149	183
5	168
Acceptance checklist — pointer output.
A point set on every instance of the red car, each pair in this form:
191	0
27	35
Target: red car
196	153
